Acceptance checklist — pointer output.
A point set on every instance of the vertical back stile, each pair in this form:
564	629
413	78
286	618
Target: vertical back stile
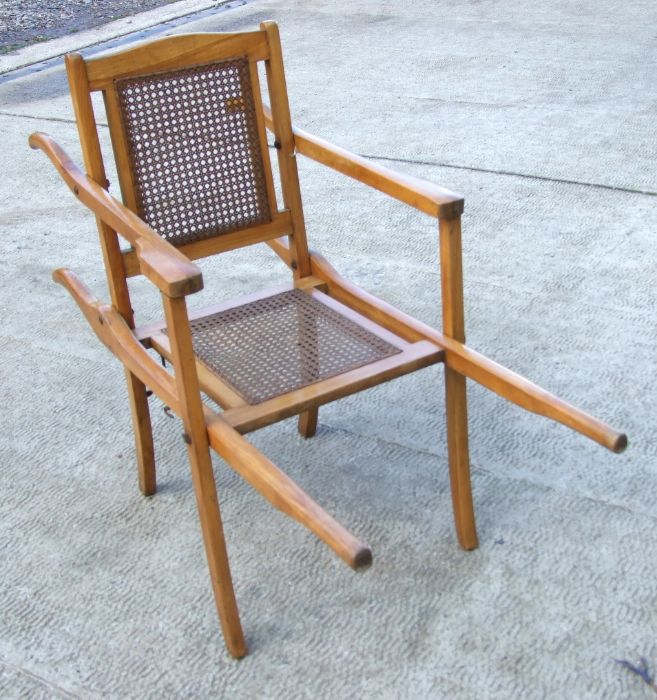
262	133
280	108
93	161
120	148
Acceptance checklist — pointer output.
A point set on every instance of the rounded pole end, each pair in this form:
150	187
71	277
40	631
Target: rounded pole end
363	558
620	443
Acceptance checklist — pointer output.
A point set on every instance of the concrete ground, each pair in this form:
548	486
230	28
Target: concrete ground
543	115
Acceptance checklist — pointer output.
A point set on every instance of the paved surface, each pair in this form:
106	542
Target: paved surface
25	22
544	117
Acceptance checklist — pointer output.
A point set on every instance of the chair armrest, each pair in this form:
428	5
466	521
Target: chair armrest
108	324
420	194
166	267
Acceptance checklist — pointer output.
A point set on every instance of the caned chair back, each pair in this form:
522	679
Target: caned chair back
189	139
194	149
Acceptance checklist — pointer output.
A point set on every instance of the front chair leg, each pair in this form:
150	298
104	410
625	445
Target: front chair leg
308	422
459	458
205	488
215	547
141	423
451	274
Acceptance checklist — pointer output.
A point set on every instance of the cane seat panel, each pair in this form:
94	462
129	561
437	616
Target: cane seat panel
283	342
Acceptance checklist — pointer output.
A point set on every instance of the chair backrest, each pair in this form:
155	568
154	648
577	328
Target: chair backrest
197	166
188	133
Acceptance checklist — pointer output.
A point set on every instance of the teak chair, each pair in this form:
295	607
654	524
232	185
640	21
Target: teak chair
188	129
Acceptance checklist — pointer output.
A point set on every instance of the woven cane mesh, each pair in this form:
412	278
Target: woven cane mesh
194	150
284	342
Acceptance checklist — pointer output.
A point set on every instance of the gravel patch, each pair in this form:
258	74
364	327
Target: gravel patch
25	22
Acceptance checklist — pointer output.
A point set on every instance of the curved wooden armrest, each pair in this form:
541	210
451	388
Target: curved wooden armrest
166	267
117	336
420	194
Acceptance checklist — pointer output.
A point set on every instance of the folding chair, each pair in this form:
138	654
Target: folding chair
188	130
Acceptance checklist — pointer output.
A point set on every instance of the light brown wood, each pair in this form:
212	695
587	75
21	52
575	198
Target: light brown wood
284	143
115	334
193	418
279	226
120	148
456	404
308	333
464	360
307	424
173	52
283	493
414	357
262	136
119	293
141	421
172	271
281	124
85	117
93	161
420	194
167	268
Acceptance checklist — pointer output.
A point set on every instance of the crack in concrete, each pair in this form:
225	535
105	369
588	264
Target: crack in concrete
411	161
61	120
38	679
510	173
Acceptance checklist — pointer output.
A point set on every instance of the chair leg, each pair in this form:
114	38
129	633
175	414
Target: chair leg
451	282
215	549
308	422
307	329
459	458
198	451
141	421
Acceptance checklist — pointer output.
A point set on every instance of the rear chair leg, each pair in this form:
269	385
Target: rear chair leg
141	422
308	422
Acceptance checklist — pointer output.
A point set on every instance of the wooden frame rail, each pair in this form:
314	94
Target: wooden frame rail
171	52
118	337
278	226
498	379
166	267
266	478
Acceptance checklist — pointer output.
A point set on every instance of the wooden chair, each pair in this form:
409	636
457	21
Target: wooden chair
188	129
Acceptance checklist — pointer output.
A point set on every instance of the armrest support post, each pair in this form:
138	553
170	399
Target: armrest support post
451	278
456	407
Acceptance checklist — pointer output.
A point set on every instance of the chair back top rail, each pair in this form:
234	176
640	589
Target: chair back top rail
171	53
